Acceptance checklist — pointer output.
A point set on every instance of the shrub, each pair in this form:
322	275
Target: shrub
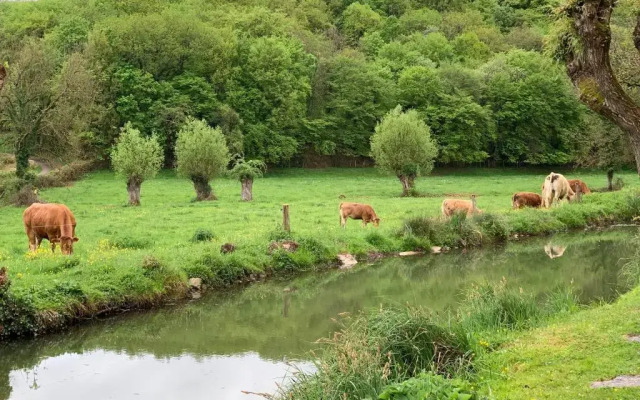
429	386
493	226
402	145
376	349
279	234
26	196
202	235
202	154
128	242
17	313
137	159
380	242
149	262
493	306
319	251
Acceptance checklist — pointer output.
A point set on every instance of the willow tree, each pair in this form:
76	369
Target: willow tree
402	145
202	154
246	172
137	159
584	43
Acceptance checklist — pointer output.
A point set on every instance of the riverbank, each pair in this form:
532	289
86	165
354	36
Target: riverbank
131	257
562	360
502	343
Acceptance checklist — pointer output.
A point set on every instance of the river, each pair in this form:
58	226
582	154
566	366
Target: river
250	339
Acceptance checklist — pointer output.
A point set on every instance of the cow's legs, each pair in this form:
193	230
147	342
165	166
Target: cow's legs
364	223
33	241
343	221
53	247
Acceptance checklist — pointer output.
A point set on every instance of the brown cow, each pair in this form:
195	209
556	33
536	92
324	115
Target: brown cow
583	186
54	222
358	211
526	199
451	206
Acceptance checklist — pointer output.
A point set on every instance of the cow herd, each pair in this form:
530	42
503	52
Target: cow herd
56	223
555	188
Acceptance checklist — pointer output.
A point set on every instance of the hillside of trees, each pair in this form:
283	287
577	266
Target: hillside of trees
284	79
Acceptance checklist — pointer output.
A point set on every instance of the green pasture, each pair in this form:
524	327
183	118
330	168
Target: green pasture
127	254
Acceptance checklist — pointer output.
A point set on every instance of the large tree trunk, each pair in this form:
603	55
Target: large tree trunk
247	189
22	161
408	183
589	67
133	187
203	189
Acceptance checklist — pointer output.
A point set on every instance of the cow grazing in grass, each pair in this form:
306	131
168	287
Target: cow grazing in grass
358	211
584	189
555	188
54	222
526	199
452	206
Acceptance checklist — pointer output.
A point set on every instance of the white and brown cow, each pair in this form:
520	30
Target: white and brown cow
556	188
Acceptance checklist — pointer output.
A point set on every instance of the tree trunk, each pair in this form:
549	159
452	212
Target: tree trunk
589	67
133	187
22	161
203	189
610	179
408	183
247	189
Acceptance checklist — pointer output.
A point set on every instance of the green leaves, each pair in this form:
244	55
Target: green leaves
136	157
402	143
201	150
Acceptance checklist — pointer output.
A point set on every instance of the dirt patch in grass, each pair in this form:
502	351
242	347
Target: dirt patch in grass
623	381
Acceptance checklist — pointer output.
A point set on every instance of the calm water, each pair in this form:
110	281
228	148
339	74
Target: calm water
249	340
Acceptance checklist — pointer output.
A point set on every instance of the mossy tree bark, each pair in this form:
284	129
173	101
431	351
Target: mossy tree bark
247	189
133	187
408	184
203	189
589	67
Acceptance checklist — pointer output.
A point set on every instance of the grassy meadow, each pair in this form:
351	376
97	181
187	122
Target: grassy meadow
131	256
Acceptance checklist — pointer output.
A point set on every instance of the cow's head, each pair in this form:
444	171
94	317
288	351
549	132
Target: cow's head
66	244
376	222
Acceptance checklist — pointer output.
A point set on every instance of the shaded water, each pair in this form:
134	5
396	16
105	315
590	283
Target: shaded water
222	344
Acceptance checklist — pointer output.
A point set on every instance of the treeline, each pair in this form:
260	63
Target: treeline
284	78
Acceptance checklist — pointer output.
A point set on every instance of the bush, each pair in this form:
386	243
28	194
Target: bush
429	386
64	175
149	262
493	227
17	313
128	242
494	307
373	350
320	252
380	242
279	234
202	235
26	196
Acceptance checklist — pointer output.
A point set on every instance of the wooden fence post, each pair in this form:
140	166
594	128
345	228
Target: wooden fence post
285	218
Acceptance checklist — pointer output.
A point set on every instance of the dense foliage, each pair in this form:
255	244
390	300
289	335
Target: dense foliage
402	145
136	158
283	79
202	154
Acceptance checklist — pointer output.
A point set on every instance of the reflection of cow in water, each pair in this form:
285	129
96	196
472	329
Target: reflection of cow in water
554	251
